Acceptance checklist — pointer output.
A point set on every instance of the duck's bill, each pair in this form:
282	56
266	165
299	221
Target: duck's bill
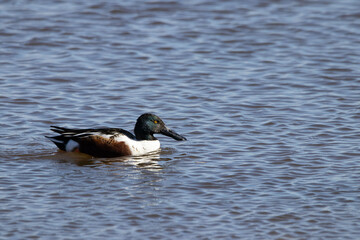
170	133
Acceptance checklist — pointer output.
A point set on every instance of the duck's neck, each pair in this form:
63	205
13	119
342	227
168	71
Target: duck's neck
141	135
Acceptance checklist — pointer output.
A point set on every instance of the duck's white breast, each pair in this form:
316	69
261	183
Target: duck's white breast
143	147
140	147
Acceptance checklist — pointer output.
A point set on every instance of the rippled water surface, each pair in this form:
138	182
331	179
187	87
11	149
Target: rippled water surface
267	93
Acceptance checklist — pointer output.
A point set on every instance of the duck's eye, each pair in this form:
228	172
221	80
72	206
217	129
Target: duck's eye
155	121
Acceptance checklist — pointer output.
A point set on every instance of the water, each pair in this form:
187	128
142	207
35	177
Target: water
267	93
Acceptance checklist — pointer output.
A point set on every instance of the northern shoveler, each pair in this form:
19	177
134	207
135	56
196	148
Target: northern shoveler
114	142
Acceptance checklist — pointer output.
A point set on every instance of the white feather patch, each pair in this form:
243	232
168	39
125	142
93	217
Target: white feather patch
71	145
139	147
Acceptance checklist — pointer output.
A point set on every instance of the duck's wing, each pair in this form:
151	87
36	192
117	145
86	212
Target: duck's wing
96	142
109	132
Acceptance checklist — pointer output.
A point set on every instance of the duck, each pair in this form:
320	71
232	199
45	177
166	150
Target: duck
115	142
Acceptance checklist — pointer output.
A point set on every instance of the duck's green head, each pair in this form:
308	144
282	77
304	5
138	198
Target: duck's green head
149	124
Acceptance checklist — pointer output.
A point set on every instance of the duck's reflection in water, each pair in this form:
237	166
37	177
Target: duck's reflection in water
149	162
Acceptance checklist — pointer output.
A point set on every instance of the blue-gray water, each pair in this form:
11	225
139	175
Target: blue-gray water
267	93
